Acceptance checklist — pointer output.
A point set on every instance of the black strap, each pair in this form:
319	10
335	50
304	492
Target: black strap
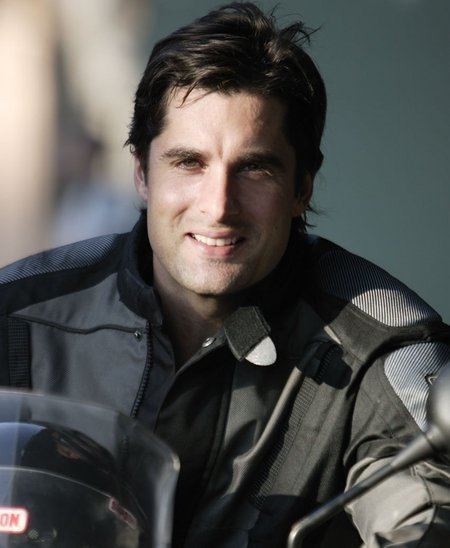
244	329
272	466
19	355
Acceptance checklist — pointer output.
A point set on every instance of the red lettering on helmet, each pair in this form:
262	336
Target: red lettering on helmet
13	520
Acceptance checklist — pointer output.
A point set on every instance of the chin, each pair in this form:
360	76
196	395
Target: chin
218	288
215	291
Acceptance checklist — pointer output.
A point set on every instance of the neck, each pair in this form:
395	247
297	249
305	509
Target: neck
190	319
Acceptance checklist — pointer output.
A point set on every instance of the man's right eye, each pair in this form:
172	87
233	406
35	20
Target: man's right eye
188	163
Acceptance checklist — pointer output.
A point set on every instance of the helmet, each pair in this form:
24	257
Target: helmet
59	487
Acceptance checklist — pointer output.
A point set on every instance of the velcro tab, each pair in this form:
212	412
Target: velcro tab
245	329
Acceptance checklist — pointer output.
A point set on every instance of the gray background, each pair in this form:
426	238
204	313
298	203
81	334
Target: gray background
383	187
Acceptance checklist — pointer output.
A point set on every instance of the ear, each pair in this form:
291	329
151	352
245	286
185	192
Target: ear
301	201
140	181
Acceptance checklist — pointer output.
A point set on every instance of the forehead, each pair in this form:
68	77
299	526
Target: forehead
243	115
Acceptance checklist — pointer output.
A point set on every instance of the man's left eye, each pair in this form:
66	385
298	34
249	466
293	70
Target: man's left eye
256	169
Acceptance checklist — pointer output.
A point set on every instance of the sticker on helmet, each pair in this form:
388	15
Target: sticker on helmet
13	520
122	513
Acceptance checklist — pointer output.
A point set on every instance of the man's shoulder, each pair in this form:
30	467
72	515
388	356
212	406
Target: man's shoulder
42	274
366	308
68	257
354	280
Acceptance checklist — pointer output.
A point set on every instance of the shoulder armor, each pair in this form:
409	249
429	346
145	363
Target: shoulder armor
76	255
368	287
411	370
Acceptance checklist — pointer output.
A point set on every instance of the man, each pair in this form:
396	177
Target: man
279	367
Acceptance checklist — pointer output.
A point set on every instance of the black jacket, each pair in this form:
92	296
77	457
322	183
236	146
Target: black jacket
259	446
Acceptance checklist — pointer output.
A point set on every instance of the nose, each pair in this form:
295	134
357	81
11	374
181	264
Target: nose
218	196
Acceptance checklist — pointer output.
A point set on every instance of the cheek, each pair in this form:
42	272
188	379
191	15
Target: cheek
167	199
272	210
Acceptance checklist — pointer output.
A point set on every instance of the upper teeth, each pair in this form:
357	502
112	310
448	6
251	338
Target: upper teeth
215	241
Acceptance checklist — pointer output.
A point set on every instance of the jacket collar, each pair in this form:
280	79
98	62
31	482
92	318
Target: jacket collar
135	277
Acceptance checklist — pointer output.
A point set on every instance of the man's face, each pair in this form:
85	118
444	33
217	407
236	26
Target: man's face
219	191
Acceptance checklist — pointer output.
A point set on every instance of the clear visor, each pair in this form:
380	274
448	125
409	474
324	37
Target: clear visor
147	468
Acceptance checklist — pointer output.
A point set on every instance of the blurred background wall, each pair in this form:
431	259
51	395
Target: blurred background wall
68	72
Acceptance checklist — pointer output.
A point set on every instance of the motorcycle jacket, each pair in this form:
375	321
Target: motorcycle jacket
315	382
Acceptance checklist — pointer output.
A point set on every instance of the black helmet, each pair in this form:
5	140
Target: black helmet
60	487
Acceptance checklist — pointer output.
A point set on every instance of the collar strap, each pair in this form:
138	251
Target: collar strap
247	333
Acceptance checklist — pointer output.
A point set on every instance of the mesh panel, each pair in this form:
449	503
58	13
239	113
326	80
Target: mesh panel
70	256
407	370
372	289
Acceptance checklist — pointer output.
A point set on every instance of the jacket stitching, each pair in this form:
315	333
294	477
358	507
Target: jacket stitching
75	329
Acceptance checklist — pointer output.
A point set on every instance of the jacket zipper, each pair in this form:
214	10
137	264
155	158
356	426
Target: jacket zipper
145	375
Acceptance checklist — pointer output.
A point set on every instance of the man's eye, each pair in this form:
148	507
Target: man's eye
188	163
256	169
253	167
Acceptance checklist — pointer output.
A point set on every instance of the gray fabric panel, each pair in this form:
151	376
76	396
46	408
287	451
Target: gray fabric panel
79	366
407	369
85	309
77	255
372	289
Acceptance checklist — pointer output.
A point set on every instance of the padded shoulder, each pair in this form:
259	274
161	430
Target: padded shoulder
368	287
77	255
411	370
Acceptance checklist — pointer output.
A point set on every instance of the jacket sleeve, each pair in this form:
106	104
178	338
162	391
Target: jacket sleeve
412	508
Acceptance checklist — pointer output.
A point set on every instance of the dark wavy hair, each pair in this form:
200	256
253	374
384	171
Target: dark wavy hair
236	48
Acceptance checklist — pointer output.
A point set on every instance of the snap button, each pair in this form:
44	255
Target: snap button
207	342
137	335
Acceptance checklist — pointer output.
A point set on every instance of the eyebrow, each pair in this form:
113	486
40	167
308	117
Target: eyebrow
264	157
180	153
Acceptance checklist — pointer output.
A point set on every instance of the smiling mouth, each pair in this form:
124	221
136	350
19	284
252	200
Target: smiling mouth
217	242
